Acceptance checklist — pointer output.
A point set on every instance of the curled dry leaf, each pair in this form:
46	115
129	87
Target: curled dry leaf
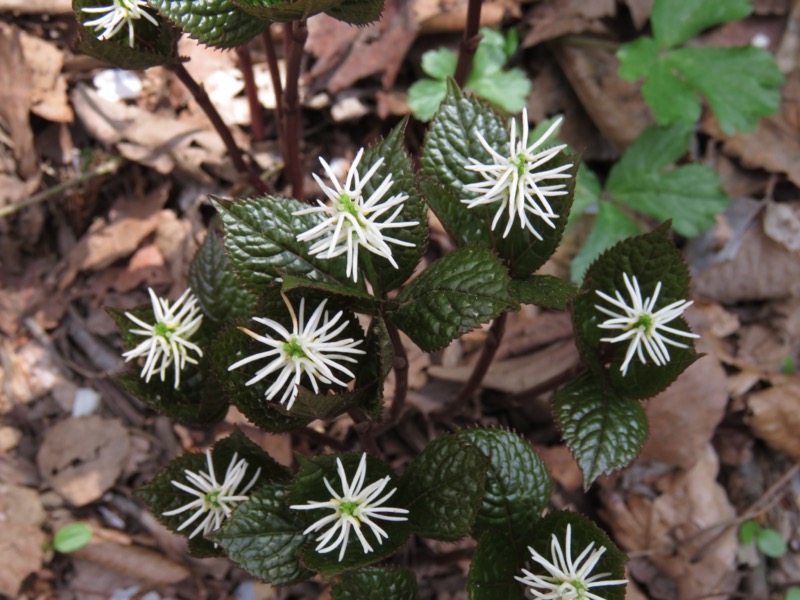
775	415
554	18
133	561
82	457
21	540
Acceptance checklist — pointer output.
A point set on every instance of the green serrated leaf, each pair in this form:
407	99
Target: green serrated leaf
217	23
691	195
442	488
309	486
610	226
357	12
494	566
359	300
425	96
219	293
651	258
153	46
583	534
376	583
456	294
672	99
162	496
638	59
603	430
464	226
72	537
543	290
740	84
371	373
770	542
439	64
517	489
261	238
587	192
264	537
285	11
507	90
677	21
397	163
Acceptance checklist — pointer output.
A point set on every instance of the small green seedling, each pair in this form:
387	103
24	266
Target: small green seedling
767	540
72	537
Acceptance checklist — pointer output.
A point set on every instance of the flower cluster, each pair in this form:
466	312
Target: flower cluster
310	349
352	220
355	506
167	340
567	578
213	499
641	325
515	180
116	15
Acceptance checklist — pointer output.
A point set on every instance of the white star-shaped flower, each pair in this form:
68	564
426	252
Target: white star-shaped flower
167	341
352	220
640	324
213	499
116	15
567	578
514	181
355	506
311	348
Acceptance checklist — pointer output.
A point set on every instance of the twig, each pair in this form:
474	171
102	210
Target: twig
323	439
490	347
107	167
294	40
469	43
234	151
400	366
274	73
246	67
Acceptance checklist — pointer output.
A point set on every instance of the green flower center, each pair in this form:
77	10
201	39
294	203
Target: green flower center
212	499
294	348
347	205
163	330
645	321
521	163
348	508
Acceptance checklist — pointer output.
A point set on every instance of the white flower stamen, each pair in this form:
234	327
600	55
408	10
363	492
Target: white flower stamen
644	327
116	15
213	499
353	508
352	221
311	348
567	578
514	180
167	341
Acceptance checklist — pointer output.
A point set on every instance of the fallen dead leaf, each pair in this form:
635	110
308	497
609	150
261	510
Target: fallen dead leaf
562	466
44	61
27	372
553	18
36	7
21	539
15	99
640	11
81	458
449	16
133	561
782	223
775	415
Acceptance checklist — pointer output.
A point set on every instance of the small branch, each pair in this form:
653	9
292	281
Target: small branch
490	347
469	43
400	366
294	40
234	151
246	67
107	167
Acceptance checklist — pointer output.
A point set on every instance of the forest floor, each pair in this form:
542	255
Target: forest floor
133	207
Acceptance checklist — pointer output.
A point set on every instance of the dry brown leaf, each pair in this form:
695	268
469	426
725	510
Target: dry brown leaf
693	405
44	61
640	11
554	18
15	99
562	466
81	458
105	243
27	372
782	223
36	7
775	415
21	540
449	16
616	106
683	504
133	561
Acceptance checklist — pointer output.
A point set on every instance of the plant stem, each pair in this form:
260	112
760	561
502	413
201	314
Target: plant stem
323	439
202	99
274	73
246	67
107	167
400	365
294	40
469	43
490	347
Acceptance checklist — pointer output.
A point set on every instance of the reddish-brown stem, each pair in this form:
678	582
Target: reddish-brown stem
246	67
400	365
202	99
294	39
274	73
490	347
469	43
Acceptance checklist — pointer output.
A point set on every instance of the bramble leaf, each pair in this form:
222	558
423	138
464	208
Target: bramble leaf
494	566
217	23
287	10
376	583
543	290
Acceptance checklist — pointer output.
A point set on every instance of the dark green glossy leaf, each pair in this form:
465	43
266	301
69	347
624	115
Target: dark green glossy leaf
543	290
217	23
517	489
309	486
359	300
357	12
264	537
456	294
285	11
442	488
376	583
494	566
603	430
